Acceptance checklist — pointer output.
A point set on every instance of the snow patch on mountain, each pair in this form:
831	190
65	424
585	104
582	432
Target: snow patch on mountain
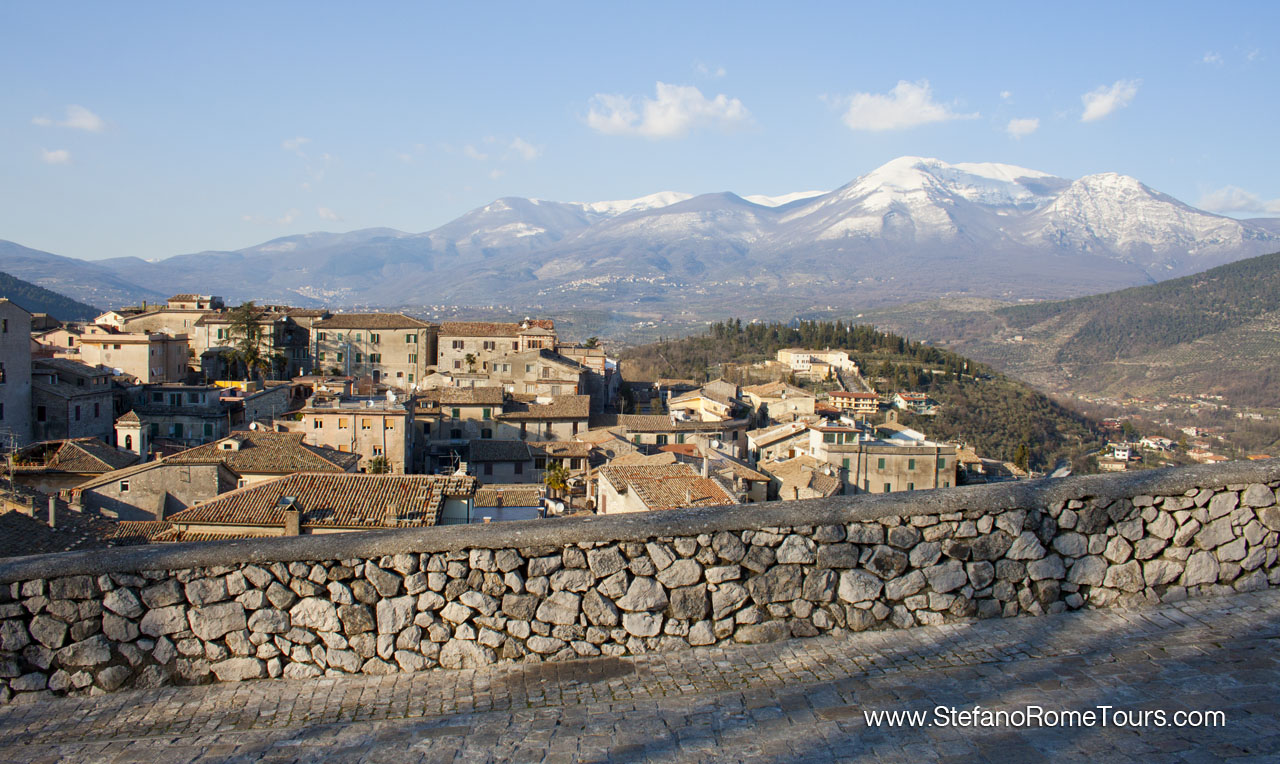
778	201
622	206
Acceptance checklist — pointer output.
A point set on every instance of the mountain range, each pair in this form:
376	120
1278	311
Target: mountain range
911	229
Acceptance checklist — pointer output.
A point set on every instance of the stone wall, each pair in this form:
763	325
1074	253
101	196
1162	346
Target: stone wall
408	600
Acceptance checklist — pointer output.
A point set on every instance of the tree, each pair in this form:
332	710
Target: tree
556	477
1022	456
592	342
246	340
470	358
378	465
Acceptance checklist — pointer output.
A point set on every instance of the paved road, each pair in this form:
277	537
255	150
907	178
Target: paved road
796	701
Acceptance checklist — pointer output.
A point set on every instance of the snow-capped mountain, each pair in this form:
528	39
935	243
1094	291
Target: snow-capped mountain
911	229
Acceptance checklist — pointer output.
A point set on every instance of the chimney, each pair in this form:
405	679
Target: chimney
392	518
705	469
292	522
795	492
53	512
688	497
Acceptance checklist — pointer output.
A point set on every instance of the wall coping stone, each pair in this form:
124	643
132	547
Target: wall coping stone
639	526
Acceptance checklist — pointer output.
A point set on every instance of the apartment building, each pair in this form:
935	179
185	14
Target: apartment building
391	348
15	374
149	357
472	345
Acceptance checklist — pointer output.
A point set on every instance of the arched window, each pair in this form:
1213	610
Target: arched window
128	442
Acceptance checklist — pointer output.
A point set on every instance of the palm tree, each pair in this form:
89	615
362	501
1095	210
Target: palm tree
470	358
378	465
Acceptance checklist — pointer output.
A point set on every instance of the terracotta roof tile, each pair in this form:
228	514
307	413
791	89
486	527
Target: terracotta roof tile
560	407
517	495
479	329
270	452
333	500
499	451
371	321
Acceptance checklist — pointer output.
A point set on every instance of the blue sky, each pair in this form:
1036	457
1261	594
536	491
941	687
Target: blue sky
153	130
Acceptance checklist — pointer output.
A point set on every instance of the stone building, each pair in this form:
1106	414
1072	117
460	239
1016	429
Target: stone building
782	402
653	430
149	357
372	427
177	417
501	461
72	400
259	455
470	345
868	465
52	466
859	404
152	490
328	503
15	374
392	348
649	487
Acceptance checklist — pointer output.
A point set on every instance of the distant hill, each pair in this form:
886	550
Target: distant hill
914	228
1214	332
981	407
37	299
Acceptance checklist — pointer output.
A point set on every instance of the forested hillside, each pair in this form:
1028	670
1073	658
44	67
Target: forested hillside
37	299
991	412
1134	322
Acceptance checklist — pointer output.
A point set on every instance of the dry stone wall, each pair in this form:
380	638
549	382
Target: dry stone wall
383	602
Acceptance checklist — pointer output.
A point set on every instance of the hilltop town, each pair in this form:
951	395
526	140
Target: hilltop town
192	420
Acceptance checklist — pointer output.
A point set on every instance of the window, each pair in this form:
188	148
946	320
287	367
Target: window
375	338
488	345
128	442
486	433
342	423
455	413
388	424
911	486
515	346
679	437
40	413
77	413
79	381
413	358
157	397
319	336
155	429
519	468
410	377
358	357
880	463
844	464
911	464
455	434
124	486
488	468
887	488
485	413
365	423
946	484
175	399
540	462
317	423
176	429
828	437
377	450
208	429
320	355
575	429
356	337
411	339
457	364
457	345
575	463
115	347
528	368
662	440
193	397
339	357
942	463
735	435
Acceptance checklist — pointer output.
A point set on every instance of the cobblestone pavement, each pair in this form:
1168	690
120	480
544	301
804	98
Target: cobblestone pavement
795	701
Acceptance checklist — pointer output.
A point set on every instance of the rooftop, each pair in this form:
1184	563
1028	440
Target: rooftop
332	500
264	451
371	321
81	455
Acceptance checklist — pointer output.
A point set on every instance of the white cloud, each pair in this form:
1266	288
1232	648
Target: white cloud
707	71
1211	58
55	156
674	111
78	118
526	150
1235	199
1102	101
495	174
295	144
1253	55
909	104
1019	128
1006	94
327	214
474	153
288	217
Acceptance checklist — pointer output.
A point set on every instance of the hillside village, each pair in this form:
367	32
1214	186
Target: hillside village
192	420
